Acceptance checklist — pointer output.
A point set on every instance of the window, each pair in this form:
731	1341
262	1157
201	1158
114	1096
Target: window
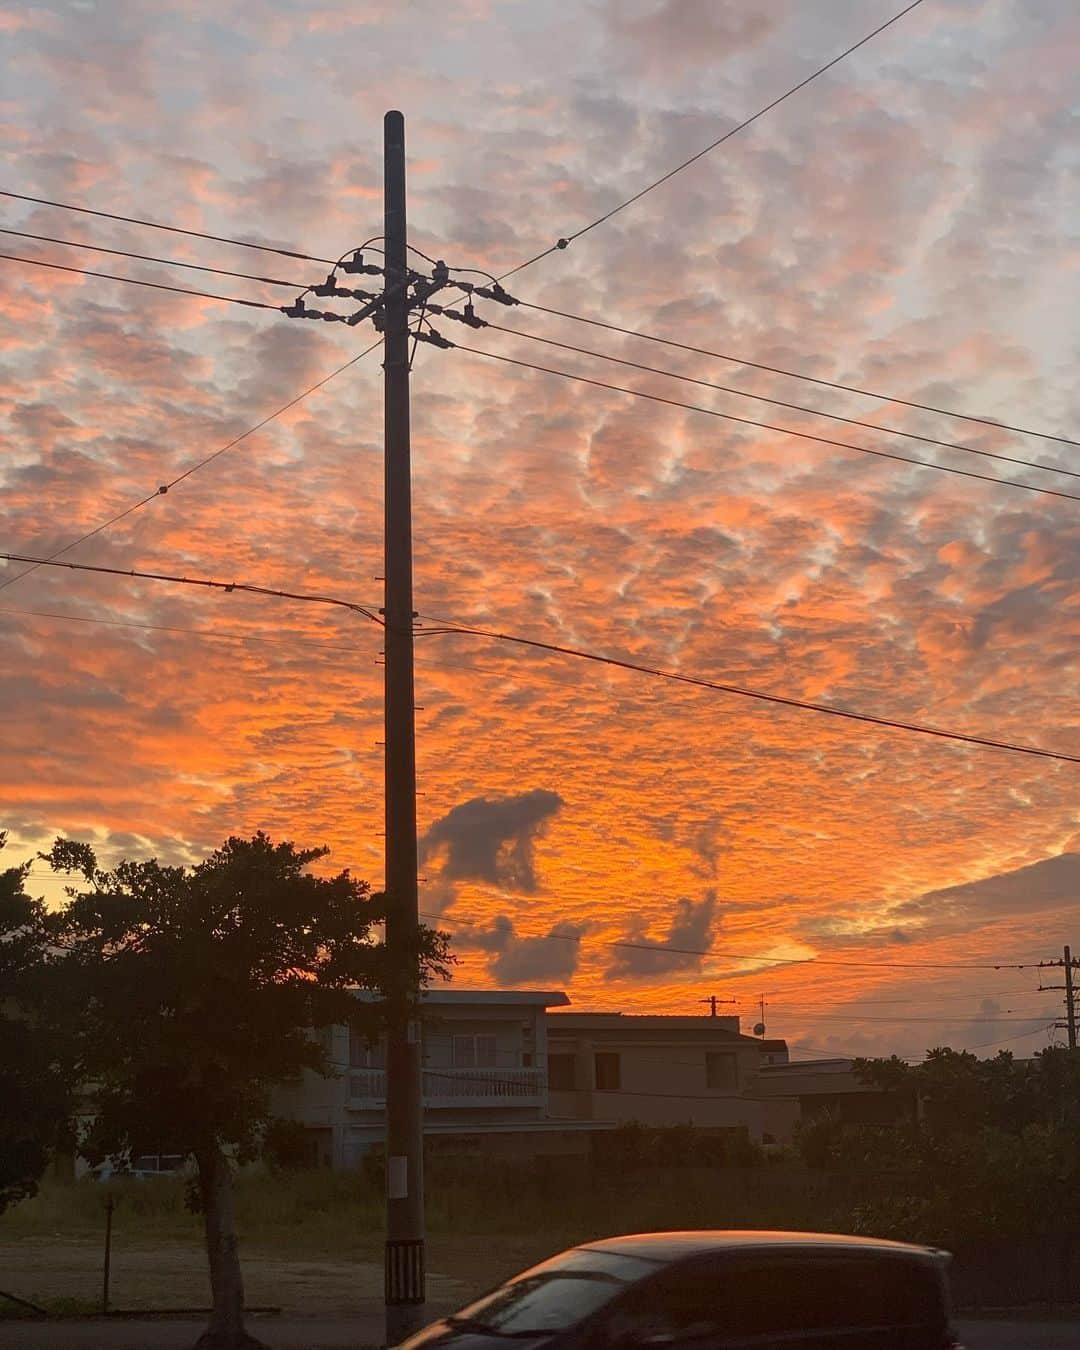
365	1054
608	1071
722	1070
561	1073
474	1052
762	1296
558	1293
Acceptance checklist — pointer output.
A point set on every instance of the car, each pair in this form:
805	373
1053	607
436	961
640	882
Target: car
722	1290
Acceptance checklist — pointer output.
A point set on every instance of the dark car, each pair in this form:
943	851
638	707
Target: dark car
716	1291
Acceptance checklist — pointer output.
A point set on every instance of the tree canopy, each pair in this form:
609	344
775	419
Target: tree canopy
193	992
33	1089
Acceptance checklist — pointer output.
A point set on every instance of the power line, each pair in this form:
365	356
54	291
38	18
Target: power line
146	257
781	403
308	597
768	426
133	281
172	229
216	634
743	692
588	656
193	468
772	960
741	126
797	375
990	1045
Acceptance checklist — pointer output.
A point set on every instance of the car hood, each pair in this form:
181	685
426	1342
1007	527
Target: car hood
445	1333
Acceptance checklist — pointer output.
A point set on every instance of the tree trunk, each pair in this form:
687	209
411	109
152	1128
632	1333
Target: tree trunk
226	1329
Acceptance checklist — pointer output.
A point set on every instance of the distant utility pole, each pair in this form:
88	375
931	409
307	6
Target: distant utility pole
404	1256
712	1001
1068	965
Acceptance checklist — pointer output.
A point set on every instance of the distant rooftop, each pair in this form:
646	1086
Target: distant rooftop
647	1022
543	998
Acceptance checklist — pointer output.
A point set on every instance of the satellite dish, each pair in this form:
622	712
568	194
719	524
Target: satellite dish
759	1028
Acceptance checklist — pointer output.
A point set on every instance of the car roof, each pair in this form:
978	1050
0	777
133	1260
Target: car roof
664	1247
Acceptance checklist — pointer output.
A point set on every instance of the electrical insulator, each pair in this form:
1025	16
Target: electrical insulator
440	273
354	264
496	292
436	339
296	310
328	287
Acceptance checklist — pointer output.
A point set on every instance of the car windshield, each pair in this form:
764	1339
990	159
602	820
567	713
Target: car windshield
556	1294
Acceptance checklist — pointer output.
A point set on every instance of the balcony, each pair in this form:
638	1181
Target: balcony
454	1088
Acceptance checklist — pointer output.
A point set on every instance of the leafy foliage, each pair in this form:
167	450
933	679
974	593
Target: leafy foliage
32	1082
989	1148
193	992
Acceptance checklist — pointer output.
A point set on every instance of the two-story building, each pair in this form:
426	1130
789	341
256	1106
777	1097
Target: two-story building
484	1080
802	1091
656	1069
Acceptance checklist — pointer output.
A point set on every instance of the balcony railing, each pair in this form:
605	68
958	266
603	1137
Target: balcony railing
452	1087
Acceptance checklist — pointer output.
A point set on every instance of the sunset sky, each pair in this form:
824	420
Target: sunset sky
906	224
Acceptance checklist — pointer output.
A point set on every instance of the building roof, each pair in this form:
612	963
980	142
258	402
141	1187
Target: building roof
542	998
594	1021
809	1077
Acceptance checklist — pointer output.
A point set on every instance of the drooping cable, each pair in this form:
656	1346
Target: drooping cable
781	403
797	375
564	242
193	468
172	229
769	426
150	258
134	281
895	724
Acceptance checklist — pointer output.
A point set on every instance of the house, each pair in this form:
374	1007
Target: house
795	1093
484	1082
656	1069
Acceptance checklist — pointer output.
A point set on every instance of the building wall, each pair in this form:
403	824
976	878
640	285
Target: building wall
668	1071
345	1114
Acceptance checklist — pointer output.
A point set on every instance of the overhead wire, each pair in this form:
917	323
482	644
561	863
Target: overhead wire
769	426
279	640
172	229
564	242
134	281
781	403
895	724
663	950
192	468
797	375
368	611
150	258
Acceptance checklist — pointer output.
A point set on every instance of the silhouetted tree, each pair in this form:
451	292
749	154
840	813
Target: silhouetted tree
34	1100
196	992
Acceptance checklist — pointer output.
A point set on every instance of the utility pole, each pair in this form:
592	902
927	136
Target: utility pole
1068	964
404	1255
712	1001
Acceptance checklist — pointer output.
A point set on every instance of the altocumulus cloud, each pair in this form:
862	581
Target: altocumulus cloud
491	839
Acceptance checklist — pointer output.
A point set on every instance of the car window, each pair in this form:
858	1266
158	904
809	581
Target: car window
557	1294
753	1298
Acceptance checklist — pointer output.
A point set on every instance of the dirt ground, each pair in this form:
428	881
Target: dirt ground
172	1274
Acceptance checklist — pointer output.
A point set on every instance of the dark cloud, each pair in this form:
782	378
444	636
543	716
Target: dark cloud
524	960
1045	885
691	929
491	839
554	957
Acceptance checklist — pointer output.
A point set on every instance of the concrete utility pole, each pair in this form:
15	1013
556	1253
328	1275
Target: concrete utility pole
1068	964
404	1269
